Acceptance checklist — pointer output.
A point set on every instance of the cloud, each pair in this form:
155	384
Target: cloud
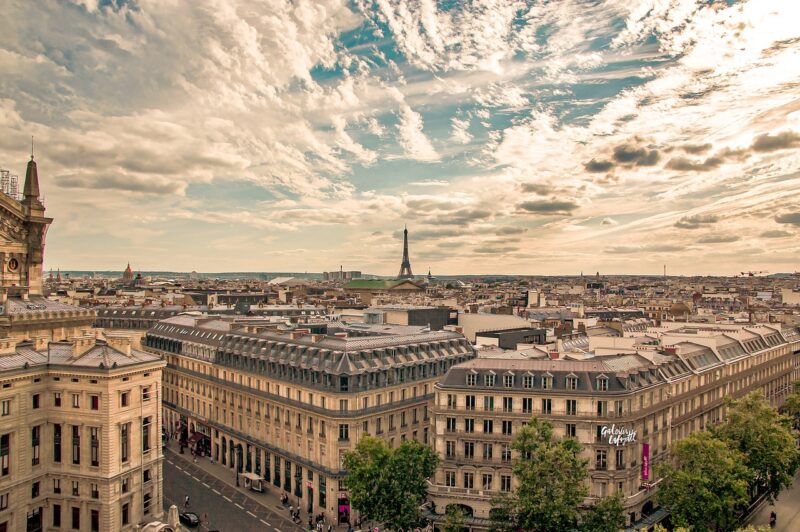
780	141
412	139
429	183
129	183
653	248
776	233
684	164
461	217
792	218
598	166
548	207
696	220
495	250
510	230
696	149
717	239
609	221
460	131
630	153
541	189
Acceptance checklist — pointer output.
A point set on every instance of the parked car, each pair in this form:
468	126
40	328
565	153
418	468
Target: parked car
189	519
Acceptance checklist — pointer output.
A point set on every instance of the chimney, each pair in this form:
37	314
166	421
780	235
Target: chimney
8	346
40	343
120	342
553	355
81	344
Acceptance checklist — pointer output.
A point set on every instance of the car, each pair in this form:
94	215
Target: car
189	519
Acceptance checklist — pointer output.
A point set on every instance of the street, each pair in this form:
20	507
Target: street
787	508
228	509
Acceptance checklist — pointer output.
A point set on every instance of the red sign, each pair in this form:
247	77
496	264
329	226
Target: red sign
645	461
309	484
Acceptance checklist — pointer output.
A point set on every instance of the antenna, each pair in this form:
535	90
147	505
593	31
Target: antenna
31	147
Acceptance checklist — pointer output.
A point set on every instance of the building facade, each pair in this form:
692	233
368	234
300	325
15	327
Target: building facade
288	404
626	409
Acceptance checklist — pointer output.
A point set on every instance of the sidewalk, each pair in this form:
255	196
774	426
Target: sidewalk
226	474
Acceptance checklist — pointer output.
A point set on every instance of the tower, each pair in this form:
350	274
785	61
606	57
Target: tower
405	266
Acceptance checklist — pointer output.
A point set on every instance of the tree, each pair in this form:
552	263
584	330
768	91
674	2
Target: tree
704	483
607	515
765	439
550	475
388	485
454	520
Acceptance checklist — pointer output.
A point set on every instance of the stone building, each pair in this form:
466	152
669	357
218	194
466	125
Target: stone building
624	408
287	404
79	417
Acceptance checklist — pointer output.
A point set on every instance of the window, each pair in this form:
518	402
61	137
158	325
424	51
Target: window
76	400
527	381
35	398
95	521
76	444
572	383
620	458
94	400
527	405
147	476
94	445
505	482
57	444
572	407
146	503
547	406
450	478
123	399
508	404
57	399
146	393
95	491
488	426
342	405
469	402
344	432
125	430
602	408
507	427
7	407
618	408
34	490
486	481
601	459
547	382
451	424
508	381
602	384
76	518
5	450
488	403
488	450
469	480
145	434
3	501
472	379
76	488
56	486
469	449
126	514
125	485
489	379
571	430
56	515
36	433
450	448
505	452
451	400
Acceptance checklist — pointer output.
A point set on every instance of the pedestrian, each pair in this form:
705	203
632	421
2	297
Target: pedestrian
291	509
186	501
310	523
330	528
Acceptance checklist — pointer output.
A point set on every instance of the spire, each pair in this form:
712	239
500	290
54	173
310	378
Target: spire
31	190
405	266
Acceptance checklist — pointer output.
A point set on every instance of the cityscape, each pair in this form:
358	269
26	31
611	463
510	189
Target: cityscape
393	266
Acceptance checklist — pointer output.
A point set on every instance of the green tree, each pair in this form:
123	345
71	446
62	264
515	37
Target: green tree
765	439
704	483
454	520
550	475
388	485
607	515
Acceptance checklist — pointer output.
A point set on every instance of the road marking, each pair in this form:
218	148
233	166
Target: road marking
197	479
239	506
251	514
215	491
187	473
206	485
179	468
265	522
276	530
226	498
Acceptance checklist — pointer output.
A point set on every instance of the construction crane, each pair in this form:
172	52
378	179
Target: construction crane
751	274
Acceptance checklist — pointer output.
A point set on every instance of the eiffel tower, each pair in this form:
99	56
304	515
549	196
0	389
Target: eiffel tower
405	266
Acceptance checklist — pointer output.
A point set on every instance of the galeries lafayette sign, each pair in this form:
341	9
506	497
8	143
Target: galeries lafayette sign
618	435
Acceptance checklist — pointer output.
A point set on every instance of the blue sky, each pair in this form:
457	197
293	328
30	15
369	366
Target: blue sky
512	137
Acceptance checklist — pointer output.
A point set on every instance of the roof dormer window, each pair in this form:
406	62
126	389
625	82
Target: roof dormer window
602	383
571	382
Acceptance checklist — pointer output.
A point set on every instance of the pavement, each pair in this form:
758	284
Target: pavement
787	508
212	491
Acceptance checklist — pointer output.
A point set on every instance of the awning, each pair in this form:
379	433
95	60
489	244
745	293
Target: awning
196	437
252	476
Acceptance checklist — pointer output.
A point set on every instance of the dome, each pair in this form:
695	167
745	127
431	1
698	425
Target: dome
679	309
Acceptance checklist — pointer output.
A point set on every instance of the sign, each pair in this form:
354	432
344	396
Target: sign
618	436
309	484
645	461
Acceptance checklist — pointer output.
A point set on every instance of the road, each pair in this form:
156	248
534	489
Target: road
228	509
787	509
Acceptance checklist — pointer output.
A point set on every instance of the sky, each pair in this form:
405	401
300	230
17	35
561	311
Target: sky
515	137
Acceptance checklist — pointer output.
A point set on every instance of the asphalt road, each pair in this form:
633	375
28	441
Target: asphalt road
228	509
787	508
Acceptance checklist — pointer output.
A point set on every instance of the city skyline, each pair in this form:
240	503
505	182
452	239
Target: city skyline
510	138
